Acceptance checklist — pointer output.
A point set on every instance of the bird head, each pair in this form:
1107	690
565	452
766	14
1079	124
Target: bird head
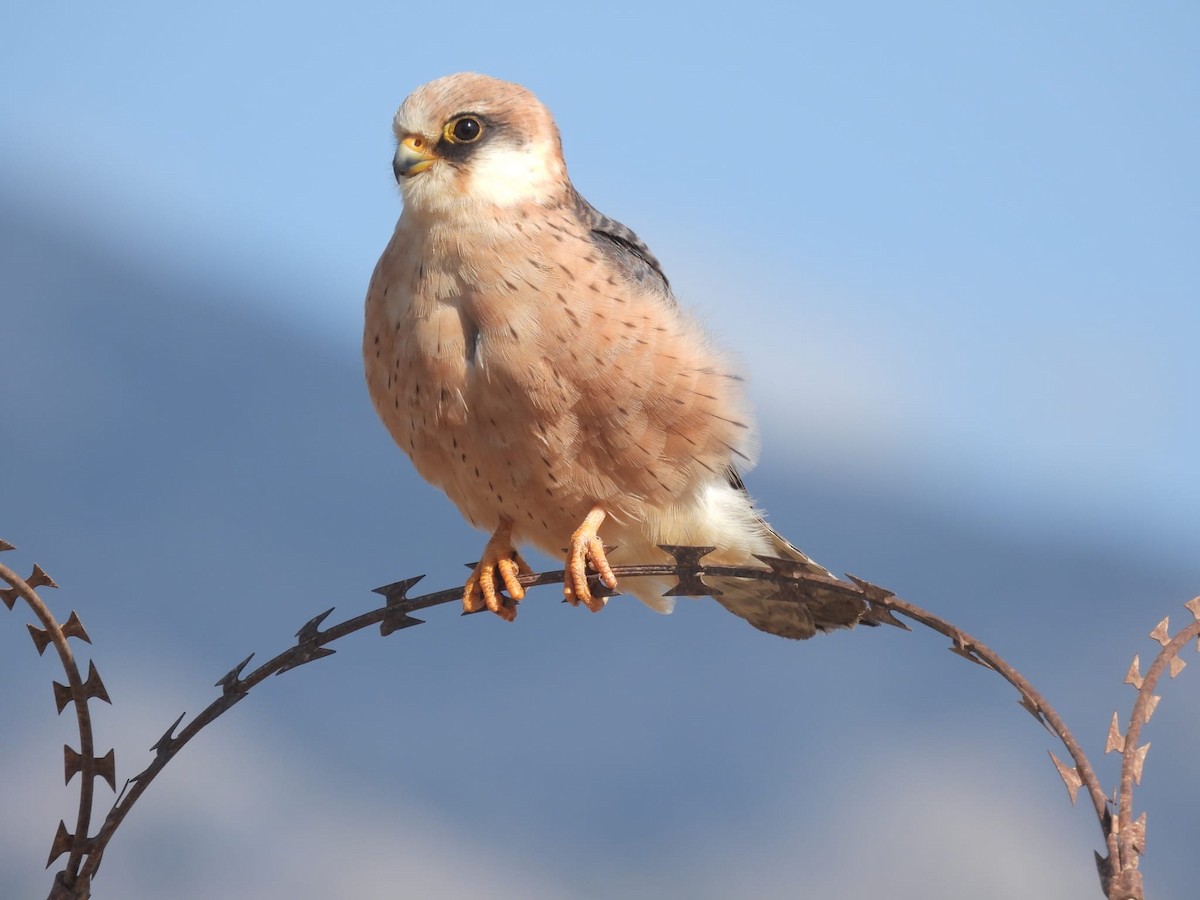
467	141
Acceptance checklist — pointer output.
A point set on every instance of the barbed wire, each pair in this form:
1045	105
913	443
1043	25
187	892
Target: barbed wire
1124	836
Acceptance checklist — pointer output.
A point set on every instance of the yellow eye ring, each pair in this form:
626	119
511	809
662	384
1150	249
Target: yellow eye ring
463	130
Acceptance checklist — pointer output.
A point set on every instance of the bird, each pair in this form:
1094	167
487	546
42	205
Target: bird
528	354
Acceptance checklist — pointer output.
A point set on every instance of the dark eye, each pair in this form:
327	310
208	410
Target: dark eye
464	130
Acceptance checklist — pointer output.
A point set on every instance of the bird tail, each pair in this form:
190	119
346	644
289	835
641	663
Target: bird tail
796	611
792	610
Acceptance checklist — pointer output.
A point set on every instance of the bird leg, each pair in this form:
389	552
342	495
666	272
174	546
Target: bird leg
499	557
586	547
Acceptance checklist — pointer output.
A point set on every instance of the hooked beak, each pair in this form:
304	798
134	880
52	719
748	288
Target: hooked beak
413	157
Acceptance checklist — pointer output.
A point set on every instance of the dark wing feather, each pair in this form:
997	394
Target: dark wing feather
621	245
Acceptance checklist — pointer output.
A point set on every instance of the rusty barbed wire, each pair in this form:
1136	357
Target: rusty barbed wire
77	692
1124	837
1124	880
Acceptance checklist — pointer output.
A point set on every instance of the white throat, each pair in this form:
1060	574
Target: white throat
500	175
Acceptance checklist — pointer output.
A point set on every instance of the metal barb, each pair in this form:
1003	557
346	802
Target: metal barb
1134	676
73	628
62	696
1116	740
38	578
162	745
312	628
688	565
1176	665
1193	606
1161	633
1070	776
397	621
5	545
125	787
9	596
62	843
307	649
871	591
600	589
881	615
305	654
94	687
686	556
1104	870
960	648
41	637
105	766
229	683
397	590
72	763
396	618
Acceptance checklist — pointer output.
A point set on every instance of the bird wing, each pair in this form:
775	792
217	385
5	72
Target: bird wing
623	248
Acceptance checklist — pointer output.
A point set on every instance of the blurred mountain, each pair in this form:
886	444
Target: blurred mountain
201	476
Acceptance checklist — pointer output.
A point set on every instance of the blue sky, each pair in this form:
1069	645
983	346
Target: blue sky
955	246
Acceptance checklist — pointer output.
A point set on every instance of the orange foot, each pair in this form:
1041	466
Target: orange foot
586	547
499	557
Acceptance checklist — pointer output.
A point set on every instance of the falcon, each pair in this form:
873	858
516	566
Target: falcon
528	354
